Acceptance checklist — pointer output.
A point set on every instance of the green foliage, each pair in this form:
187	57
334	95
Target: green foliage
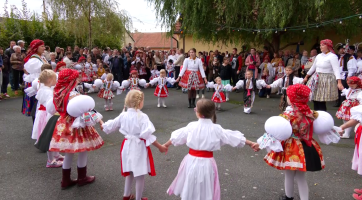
218	20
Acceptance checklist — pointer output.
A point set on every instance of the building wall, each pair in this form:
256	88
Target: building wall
127	40
199	46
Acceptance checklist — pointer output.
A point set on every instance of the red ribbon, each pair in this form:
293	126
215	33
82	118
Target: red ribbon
358	138
41	107
203	154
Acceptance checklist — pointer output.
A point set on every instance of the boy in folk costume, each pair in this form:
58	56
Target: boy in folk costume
283	83
250	85
161	90
353	95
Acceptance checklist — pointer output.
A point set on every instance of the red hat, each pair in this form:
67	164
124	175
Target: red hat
59	65
329	44
134	72
67	80
81	59
33	48
281	61
354	80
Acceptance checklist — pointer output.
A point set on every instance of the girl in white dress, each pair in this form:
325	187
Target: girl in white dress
136	155
197	177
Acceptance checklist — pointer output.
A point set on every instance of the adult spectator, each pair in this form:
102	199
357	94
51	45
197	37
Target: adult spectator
158	60
58	53
295	64
219	57
266	52
286	56
8	53
95	55
107	57
310	61
17	65
53	61
117	66
252	61
150	62
236	65
47	53
68	59
21	43
85	52
75	54
5	72
69	48
80	54
276	59
172	56
129	47
180	60
359	55
327	74
127	66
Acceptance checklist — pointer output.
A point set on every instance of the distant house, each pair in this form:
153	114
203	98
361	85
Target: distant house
156	41
128	39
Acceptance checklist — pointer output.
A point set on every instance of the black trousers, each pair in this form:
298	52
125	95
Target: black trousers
18	78
264	91
4	86
177	72
118	75
234	76
320	105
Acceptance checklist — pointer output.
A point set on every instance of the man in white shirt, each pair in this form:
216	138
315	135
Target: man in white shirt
179	61
310	61
67	59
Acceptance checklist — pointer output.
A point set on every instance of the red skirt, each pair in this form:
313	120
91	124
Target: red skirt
100	93
344	111
161	92
85	77
192	80
74	140
150	157
218	98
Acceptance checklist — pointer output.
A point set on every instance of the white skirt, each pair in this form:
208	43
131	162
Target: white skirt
135	157
357	160
39	124
197	179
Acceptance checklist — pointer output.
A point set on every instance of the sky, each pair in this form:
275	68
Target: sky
143	15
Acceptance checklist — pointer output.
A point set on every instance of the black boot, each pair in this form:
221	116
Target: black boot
193	103
190	104
284	197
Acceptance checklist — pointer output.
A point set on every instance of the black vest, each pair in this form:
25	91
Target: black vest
291	77
253	80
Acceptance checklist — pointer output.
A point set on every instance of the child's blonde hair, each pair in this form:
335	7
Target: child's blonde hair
46	75
109	76
163	71
45	66
217	78
289	67
133	99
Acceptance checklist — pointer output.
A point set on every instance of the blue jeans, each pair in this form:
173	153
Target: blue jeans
171	76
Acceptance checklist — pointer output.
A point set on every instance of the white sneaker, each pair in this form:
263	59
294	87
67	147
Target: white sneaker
158	105
203	96
197	96
267	96
164	105
227	99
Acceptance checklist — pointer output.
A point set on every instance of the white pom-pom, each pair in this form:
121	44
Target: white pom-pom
142	82
78	67
125	83
323	124
228	88
278	127
115	85
98	83
210	84
79	105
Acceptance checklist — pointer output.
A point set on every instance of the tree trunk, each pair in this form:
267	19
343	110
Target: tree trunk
90	28
274	44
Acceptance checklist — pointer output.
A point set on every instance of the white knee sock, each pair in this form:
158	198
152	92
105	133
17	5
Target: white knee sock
106	105
128	185
289	183
140	185
50	156
67	163
347	131
302	185
159	101
82	159
163	101
227	94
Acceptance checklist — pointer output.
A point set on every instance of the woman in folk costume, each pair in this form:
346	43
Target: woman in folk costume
68	139
32	64
353	96
193	76
161	90
300	153
323	83
136	155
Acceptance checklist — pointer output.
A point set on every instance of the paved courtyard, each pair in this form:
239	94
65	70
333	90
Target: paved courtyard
243	173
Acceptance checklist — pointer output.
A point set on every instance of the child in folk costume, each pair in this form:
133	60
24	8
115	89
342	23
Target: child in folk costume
101	70
218	97
353	96
69	137
106	93
197	177
161	90
283	83
60	66
139	66
154	73
170	71
47	80
279	73
80	65
267	74
87	72
300	152
133	82
250	85
136	155
356	120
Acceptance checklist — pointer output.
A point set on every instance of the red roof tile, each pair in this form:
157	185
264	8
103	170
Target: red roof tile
153	40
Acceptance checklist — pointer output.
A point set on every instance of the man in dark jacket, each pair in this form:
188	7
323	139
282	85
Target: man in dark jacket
117	66
8	53
5	71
